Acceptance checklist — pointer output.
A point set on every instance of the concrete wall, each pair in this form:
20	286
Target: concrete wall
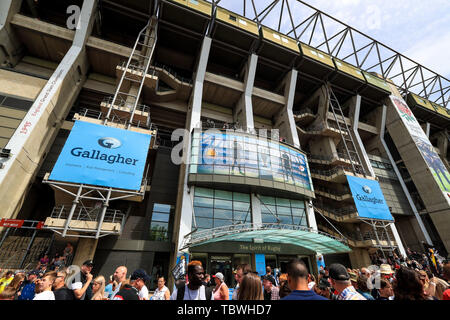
359	258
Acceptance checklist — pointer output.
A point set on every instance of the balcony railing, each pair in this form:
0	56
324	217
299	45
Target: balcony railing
96	114
87	214
336	170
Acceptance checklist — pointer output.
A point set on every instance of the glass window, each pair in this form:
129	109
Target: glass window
297	204
204	223
284	210
220	208
161	207
223	204
159	226
268	209
159	231
222	223
219	194
283	202
161	217
268	218
267	200
203	212
203	202
241	197
203	192
223	214
298	212
242	206
241	216
285	219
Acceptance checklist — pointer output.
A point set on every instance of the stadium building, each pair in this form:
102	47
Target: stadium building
302	137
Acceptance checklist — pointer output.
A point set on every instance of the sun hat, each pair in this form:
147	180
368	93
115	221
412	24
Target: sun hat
386	269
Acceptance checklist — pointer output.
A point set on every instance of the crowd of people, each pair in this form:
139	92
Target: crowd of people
335	282
411	280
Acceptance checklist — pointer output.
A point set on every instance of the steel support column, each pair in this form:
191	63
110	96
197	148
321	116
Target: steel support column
243	112
285	118
311	215
355	107
10	46
30	244
4	237
72	210
193	121
105	206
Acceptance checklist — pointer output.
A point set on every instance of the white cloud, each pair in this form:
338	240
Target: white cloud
433	52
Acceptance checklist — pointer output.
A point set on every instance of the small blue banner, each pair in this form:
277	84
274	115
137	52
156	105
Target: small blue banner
369	199
102	156
260	260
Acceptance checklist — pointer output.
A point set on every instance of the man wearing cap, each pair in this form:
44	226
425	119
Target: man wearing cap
221	291
138	279
271	292
28	291
340	280
82	282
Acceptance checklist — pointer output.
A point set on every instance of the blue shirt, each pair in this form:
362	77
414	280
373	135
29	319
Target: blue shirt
108	289
303	295
27	292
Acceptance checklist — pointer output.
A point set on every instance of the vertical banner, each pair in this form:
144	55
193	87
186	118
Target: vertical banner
260	261
434	162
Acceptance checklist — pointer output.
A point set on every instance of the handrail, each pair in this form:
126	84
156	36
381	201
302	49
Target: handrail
346	191
96	114
88	214
337	211
335	170
170	71
336	155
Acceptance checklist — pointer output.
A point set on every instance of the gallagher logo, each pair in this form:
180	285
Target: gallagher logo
109	143
367	190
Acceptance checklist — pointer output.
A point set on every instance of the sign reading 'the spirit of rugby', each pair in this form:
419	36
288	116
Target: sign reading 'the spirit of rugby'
103	156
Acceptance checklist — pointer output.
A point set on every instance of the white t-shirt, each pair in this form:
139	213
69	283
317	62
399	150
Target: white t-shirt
143	293
46	295
311	285
199	294
160	294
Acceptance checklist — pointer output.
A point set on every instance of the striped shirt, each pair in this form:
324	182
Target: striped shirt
350	293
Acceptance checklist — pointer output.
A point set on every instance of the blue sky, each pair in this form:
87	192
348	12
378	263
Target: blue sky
418	29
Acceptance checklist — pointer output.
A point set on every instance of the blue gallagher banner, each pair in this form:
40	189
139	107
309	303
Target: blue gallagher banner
369	199
102	156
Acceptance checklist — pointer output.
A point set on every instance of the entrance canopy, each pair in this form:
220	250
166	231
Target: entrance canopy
301	236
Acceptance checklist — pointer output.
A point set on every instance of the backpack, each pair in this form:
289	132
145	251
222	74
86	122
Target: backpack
208	293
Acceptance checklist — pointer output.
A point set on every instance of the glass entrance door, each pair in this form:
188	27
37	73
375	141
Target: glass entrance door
222	264
283	261
271	261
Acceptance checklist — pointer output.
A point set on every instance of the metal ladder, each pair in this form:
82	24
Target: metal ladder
139	60
346	136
